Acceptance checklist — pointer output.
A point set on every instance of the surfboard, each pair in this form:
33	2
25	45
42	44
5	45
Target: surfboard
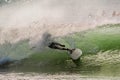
76	54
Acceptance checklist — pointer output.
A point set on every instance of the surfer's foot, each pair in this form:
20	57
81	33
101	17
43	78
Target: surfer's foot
71	50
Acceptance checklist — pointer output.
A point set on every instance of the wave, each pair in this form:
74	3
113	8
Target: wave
100	46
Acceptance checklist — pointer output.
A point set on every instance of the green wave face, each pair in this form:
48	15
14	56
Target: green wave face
103	38
101	53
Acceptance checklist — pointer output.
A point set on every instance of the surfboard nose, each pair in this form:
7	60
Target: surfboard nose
76	53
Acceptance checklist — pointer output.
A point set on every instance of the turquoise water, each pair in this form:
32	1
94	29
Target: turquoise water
100	46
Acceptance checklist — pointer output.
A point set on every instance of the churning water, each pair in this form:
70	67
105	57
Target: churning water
32	23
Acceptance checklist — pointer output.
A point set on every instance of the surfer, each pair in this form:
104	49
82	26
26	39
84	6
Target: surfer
55	45
74	53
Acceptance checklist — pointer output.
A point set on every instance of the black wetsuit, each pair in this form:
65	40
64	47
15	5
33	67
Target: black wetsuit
55	45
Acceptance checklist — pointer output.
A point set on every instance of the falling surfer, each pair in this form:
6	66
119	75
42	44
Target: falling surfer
48	41
74	53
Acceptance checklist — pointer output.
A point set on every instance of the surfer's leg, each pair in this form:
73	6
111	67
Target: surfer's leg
70	50
60	48
63	48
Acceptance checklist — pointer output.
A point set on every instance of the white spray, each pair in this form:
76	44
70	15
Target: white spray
32	18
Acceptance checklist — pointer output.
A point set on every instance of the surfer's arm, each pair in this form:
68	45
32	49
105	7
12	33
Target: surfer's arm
59	44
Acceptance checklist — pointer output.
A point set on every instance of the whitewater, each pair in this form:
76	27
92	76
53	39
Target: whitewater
92	26
31	19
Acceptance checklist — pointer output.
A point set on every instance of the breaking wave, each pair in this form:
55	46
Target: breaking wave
100	46
28	23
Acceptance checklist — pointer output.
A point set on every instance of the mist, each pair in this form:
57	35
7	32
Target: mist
30	19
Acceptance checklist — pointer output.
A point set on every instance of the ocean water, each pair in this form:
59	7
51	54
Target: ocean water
100	46
26	27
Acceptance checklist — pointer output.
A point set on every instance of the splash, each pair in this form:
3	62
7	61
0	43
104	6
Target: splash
32	18
37	19
101	53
